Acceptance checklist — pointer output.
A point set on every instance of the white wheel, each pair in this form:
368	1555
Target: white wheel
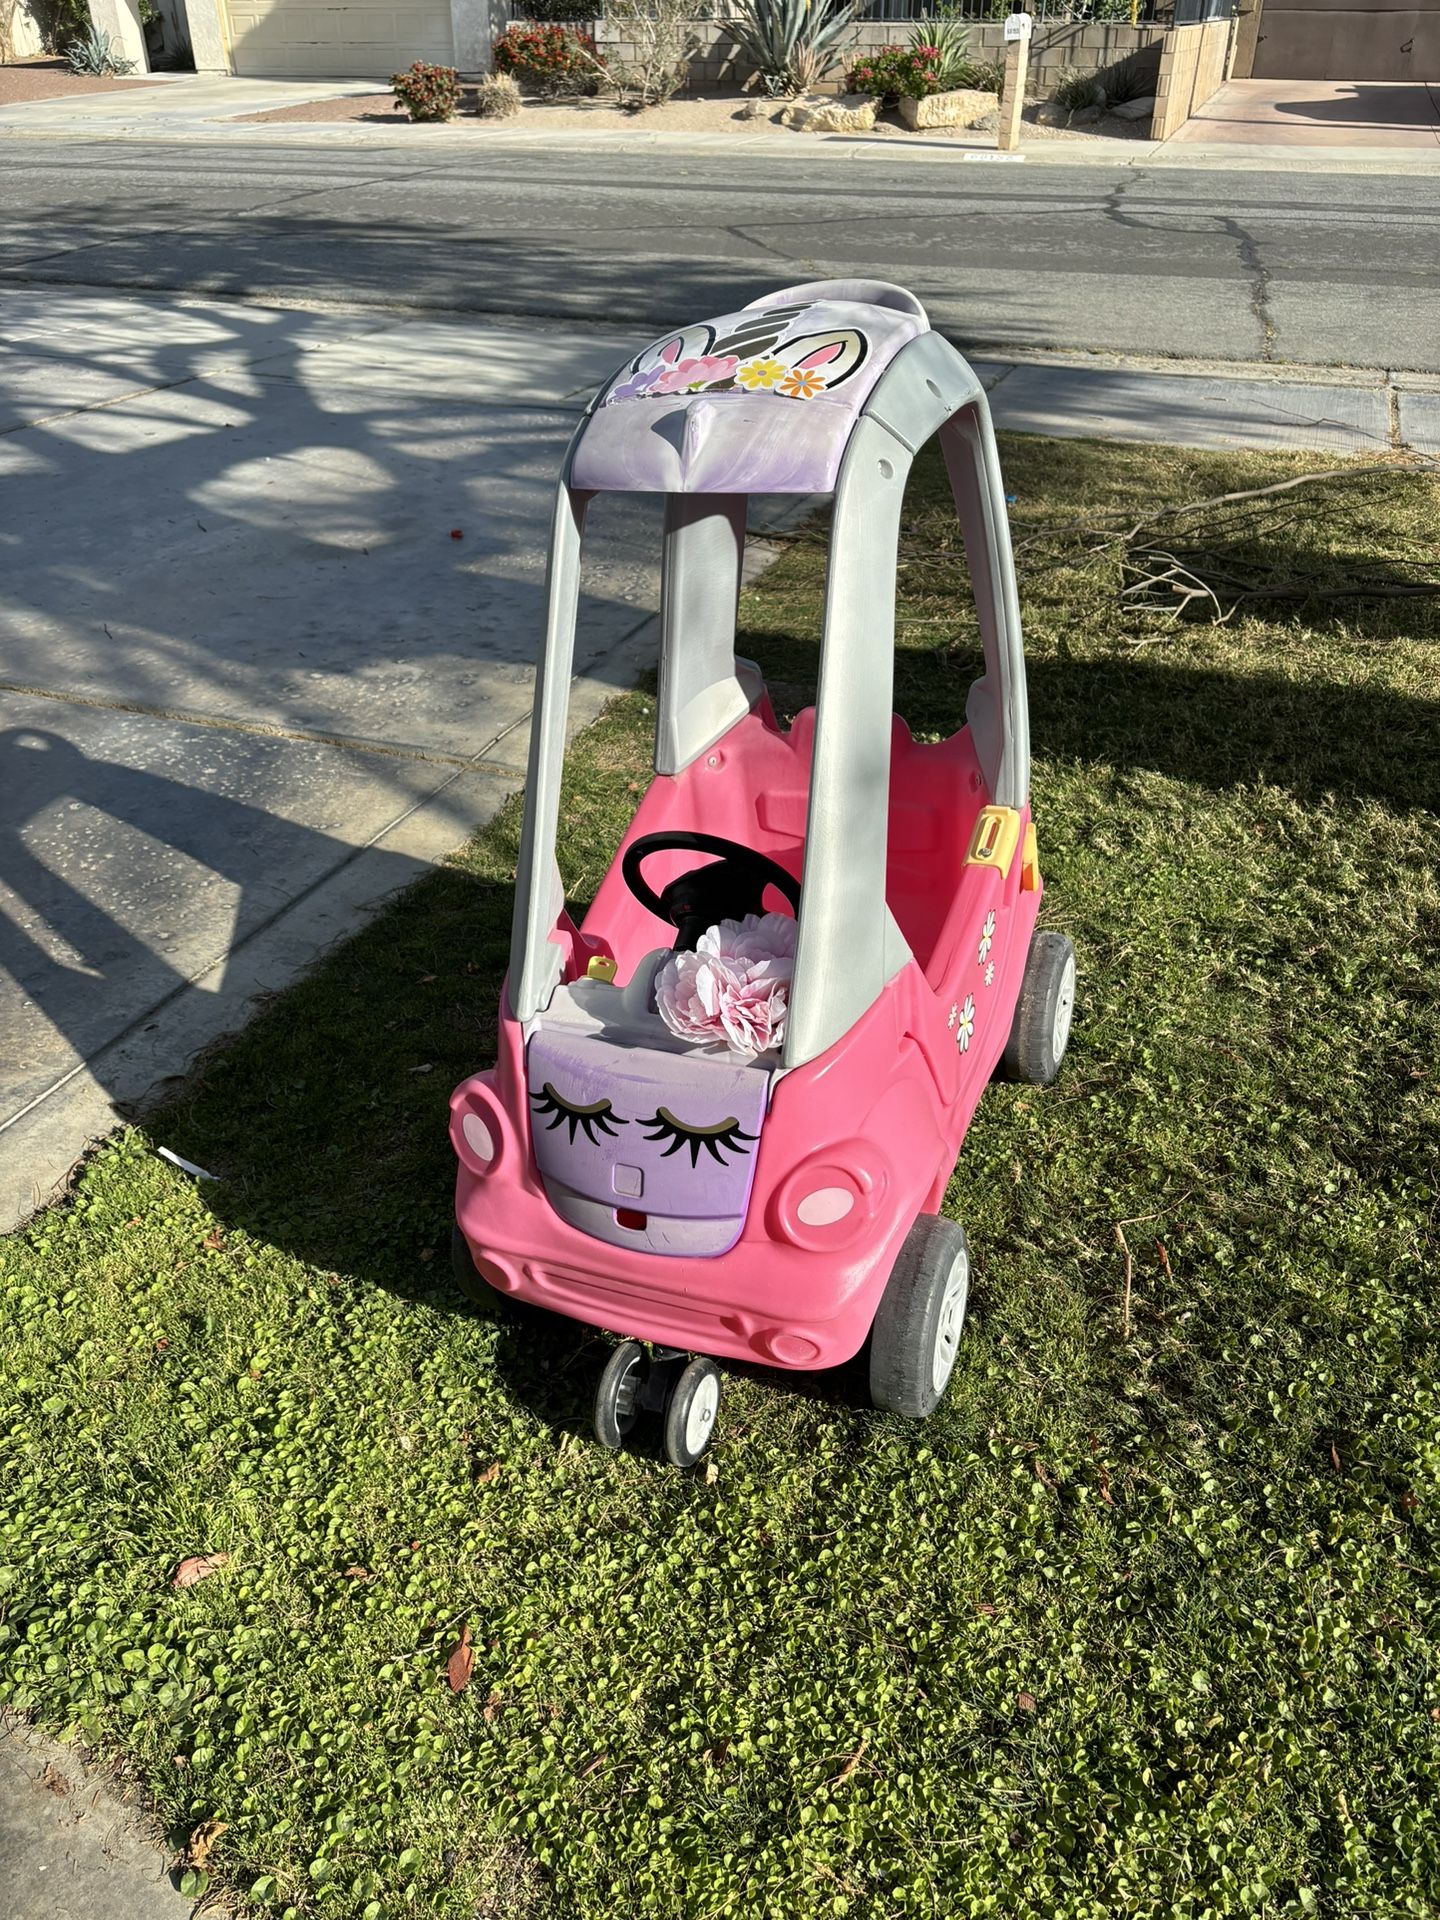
1064	1011
917	1325
1044	1010
691	1412
950	1323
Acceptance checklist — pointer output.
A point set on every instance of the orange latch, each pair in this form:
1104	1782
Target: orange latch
1030	862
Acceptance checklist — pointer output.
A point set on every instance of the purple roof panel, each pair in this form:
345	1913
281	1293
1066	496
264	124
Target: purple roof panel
760	401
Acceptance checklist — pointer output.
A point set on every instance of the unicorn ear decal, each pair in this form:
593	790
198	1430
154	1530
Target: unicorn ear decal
687	344
828	357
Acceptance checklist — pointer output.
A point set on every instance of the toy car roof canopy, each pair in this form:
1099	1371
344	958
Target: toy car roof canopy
831	387
760	401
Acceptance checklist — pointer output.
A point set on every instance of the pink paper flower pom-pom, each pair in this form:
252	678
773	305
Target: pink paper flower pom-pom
734	989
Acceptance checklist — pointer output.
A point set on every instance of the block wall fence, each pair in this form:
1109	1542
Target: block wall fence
1058	46
1193	65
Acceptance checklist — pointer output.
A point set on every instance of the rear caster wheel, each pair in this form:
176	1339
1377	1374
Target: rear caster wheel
617	1398
690	1413
918	1323
1043	1012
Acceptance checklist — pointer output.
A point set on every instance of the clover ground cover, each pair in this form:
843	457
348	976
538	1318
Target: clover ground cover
1142	1623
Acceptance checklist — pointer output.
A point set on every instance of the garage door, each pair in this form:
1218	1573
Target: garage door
1345	40
306	40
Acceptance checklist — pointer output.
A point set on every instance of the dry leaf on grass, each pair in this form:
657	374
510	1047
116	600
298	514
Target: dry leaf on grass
198	1567
1025	1702
489	1476
202	1840
491	1707
54	1782
457	1667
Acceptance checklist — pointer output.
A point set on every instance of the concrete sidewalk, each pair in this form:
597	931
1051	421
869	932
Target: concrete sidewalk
71	1846
267	623
211	109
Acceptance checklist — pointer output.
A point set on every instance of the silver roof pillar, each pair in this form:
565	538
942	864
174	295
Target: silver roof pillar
997	712
849	944
700	696
535	960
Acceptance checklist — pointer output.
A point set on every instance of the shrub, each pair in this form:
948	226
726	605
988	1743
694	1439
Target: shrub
892	71
1131	80
497	97
790	43
94	52
551	58
426	92
950	40
1075	91
662	32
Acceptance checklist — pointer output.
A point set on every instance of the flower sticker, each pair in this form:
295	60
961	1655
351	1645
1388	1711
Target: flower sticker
966	1028
638	384
987	938
693	376
803	383
954	1016
990	974
761	373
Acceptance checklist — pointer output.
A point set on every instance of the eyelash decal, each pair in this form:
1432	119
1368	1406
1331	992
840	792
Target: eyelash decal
728	1134
593	1120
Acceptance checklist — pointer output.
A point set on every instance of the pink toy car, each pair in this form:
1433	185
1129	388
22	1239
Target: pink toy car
778	1206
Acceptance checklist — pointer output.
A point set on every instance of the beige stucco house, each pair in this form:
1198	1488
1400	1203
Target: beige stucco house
319	39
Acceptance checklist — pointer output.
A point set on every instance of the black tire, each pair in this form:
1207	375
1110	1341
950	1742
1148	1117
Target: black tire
918	1323
617	1398
1041	1029
690	1413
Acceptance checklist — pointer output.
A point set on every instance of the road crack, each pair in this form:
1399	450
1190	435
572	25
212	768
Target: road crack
1248	248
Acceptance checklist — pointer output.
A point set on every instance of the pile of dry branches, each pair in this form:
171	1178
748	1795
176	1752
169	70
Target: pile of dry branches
1209	558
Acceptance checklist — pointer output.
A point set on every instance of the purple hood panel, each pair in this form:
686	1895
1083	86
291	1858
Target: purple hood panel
760	401
666	1139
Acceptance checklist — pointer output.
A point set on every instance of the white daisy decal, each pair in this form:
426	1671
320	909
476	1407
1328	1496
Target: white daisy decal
967	1024
990	974
954	1016
987	937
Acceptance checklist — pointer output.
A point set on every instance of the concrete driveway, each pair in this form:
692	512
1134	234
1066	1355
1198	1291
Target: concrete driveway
1399	116
250	679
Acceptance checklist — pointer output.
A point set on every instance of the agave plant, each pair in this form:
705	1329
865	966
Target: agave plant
792	43
95	53
944	31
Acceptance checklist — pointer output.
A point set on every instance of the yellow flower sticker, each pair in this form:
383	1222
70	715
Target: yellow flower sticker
803	383
760	373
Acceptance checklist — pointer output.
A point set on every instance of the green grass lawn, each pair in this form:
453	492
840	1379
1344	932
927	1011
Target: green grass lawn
1142	1623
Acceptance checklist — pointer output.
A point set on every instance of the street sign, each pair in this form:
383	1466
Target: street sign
1019	26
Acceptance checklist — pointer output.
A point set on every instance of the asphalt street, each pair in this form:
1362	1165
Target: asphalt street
1305	268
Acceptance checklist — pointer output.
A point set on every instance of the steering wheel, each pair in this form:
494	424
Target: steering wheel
726	889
